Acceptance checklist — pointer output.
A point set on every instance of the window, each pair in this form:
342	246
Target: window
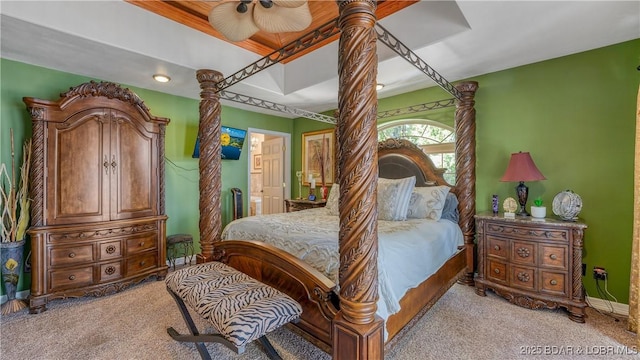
435	139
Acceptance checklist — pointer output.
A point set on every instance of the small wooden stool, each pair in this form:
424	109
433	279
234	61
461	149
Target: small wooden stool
240	308
185	242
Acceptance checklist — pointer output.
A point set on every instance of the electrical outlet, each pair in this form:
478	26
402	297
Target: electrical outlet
599	273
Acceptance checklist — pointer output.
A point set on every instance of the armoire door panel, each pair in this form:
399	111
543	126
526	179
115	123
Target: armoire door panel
134	178
77	170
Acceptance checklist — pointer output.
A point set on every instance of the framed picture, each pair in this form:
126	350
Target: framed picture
318	156
257	162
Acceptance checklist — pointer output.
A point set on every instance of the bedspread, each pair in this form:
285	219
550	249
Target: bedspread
408	251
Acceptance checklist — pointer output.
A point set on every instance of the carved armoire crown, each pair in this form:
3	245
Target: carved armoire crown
97	186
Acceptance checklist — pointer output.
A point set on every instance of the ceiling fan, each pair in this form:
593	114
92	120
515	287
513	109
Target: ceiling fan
239	20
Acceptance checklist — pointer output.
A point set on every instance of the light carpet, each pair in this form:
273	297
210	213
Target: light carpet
132	325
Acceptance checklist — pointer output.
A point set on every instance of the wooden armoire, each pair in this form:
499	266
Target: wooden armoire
97	186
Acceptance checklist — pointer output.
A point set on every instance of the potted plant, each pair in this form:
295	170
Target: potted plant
14	220
538	210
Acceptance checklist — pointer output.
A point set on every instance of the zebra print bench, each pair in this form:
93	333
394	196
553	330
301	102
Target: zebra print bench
240	308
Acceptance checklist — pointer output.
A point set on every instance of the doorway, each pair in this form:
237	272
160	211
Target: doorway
269	169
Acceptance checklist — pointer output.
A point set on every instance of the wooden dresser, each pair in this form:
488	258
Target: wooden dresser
302	204
534	264
97	184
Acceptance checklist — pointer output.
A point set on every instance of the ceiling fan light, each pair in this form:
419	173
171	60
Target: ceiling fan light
282	19
234	25
290	3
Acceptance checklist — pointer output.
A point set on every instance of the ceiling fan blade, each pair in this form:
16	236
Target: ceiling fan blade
290	3
278	19
234	25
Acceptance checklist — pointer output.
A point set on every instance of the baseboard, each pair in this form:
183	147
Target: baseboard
605	306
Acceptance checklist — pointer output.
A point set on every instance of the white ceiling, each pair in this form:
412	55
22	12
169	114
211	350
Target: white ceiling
120	42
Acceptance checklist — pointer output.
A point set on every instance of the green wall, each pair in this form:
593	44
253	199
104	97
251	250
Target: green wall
575	115
181	176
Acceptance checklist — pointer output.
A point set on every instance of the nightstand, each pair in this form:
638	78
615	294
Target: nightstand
533	264
302	204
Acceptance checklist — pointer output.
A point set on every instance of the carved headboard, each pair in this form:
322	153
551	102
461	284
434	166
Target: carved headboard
399	158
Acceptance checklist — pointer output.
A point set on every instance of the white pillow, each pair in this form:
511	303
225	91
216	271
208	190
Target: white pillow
427	202
393	198
332	200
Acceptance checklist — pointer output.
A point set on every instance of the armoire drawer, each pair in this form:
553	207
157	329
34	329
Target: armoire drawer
71	278
141	243
110	271
71	255
140	263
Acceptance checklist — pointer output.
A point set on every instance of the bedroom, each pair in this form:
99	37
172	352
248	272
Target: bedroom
543	97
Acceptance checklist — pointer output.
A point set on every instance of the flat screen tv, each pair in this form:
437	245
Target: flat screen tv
232	140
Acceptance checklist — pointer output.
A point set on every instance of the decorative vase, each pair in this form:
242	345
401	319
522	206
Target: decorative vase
11	255
539	212
325	192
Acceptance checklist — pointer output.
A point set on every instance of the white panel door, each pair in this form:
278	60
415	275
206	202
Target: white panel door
273	176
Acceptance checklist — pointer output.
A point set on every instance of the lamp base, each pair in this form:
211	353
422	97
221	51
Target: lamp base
523	193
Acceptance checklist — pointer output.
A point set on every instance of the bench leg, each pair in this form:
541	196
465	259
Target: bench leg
268	348
202	349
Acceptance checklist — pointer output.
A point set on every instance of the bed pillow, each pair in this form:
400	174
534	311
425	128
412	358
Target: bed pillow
427	202
450	210
332	200
393	198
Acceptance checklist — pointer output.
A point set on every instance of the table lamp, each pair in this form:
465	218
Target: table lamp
521	168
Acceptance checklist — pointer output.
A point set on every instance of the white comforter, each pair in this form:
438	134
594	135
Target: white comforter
408	251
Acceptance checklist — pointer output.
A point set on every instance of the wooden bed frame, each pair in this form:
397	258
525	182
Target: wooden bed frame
345	323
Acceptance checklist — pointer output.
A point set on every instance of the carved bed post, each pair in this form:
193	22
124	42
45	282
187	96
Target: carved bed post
465	122
210	163
357	332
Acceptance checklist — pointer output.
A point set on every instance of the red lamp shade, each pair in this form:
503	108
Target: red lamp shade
522	168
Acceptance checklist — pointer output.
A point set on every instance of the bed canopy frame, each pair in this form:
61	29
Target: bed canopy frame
356	332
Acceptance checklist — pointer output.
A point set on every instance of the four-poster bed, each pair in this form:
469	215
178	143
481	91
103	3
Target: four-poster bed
346	321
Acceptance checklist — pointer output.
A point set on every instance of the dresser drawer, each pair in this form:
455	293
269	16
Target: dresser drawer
110	250
553	283
527	232
141	243
141	263
110	271
497	271
71	278
523	252
73	255
523	277
497	247
554	256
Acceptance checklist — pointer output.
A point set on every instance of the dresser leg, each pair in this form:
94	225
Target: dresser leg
576	314
480	290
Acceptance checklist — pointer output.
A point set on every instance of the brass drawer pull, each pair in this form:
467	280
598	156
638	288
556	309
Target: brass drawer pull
141	243
553	282
497	271
110	270
142	263
72	255
111	249
524	277
524	252
496	248
553	257
72	277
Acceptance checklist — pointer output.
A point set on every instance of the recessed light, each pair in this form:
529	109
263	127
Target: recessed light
161	78
379	87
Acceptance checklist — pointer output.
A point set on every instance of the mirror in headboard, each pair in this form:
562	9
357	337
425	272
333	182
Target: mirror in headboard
400	158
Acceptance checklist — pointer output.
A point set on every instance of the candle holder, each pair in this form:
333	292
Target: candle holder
299	176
